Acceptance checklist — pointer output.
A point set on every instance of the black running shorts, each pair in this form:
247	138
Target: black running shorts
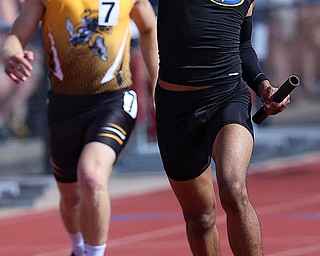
77	120
188	122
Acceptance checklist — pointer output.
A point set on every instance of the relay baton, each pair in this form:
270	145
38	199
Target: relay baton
286	88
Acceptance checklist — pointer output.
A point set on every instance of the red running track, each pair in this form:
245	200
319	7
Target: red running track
285	194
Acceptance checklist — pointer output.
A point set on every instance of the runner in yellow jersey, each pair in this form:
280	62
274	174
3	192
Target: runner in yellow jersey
88	47
91	107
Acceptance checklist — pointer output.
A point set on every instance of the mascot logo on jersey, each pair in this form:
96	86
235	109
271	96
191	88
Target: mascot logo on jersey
89	33
228	2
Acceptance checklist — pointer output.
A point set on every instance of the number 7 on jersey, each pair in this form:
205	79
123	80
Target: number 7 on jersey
108	12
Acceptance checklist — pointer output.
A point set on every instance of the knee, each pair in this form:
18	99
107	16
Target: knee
91	184
201	223
234	197
70	200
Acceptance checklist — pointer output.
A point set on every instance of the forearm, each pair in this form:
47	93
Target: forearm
26	24
15	58
252	71
11	46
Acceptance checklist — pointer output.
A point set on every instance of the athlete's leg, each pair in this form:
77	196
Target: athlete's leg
69	211
94	169
69	205
85	205
198	203
232	153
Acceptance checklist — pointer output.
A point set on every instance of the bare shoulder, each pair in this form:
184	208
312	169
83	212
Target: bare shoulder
143	15
140	2
142	8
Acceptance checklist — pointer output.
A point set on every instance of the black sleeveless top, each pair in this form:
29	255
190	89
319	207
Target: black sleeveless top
199	40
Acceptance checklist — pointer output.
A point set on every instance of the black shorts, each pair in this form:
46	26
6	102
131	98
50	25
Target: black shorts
75	121
188	122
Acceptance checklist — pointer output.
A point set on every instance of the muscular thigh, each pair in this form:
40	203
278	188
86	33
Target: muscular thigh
232	152
196	195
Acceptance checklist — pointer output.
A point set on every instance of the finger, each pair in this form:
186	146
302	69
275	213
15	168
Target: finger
25	64
29	55
15	74
281	109
288	100
19	71
21	61
23	70
285	102
14	78
20	67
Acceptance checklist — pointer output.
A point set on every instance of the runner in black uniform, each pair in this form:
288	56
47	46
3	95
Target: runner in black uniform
204	111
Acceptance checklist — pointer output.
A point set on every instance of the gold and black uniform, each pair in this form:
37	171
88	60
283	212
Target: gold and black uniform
87	45
84	56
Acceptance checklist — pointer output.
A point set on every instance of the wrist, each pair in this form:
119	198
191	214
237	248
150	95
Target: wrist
263	86
10	47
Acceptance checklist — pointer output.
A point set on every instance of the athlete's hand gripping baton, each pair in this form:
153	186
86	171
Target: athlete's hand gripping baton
286	88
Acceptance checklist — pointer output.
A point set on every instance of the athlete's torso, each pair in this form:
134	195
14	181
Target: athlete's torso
87	45
199	40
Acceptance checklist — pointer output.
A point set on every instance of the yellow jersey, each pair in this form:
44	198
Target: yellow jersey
87	45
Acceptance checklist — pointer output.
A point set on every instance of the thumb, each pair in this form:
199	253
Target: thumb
29	55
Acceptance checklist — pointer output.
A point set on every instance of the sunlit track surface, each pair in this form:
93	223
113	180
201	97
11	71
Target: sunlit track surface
285	194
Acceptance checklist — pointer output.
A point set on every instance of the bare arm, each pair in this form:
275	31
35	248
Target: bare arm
145	19
15	58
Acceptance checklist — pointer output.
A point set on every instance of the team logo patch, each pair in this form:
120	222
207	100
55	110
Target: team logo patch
228	2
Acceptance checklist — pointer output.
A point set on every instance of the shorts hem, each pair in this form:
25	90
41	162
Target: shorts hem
190	177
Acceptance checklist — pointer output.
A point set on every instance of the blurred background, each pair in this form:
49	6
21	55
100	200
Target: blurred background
287	40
